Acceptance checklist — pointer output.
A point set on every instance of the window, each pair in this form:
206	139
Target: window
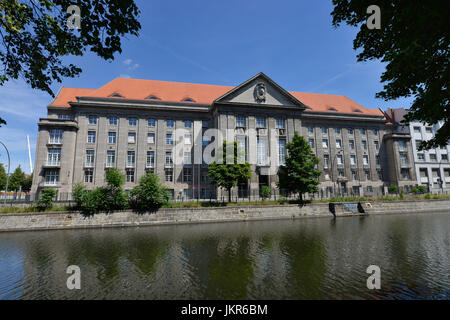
64	116
337	130
369	189
187	138
405	174
423	172
310	130
280	124
435	173
433	157
240	122
242	149
311	142
113	121
151	137
132	122
170	123
340	173
338	143
446	173
92	119
324	130
187	174
91	137
418	143
402	145
420	157
362	131
340	160
326	161
130	175
428	130
351	144
367	174
151	123
205	124
354	175
90	154
56	136
377	145
404	160
364	144
188	124
152	97
131	158
88	176
54	157
324	143
169	138
169	175
350	131
111	137
353	160
51	177
380	175
378	161
260	122
375	132
131	137
282	152
110	159
416	129
262	151
187	158
365	160
150	159
444	157
169	159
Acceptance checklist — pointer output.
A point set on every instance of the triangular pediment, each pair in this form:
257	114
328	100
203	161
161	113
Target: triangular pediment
260	90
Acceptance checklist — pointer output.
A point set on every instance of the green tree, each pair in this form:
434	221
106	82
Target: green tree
229	173
16	180
78	195
2	177
149	195
47	198
27	182
299	175
265	192
116	198
414	44
35	37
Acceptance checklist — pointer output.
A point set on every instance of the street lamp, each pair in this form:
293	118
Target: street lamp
9	165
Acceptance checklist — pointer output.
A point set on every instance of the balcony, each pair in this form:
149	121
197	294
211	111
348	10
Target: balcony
150	165
54	141
89	164
168	165
366	166
110	165
130	165
50	184
340	165
405	164
52	164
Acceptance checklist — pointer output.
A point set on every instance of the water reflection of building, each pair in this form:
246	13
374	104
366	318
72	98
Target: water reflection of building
133	125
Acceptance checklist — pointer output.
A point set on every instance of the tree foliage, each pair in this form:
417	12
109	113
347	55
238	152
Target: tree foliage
16	180
47	198
149	195
34	36
414	43
2	177
229	173
299	175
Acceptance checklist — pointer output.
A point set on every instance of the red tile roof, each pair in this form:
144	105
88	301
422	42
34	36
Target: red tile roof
138	89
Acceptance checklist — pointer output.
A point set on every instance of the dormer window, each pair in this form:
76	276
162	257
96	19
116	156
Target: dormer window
357	110
116	95
332	109
188	100
152	98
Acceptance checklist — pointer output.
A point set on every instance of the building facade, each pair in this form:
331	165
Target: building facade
432	166
172	128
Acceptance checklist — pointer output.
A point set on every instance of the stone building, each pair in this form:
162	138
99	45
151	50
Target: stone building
166	128
432	166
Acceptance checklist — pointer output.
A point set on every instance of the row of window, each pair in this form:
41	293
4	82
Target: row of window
350	131
353	160
433	157
113	121
112	137
354	174
351	144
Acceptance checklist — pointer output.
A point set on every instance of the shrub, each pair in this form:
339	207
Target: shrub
115	196
47	197
414	190
149	195
265	192
421	189
393	188
78	193
427	196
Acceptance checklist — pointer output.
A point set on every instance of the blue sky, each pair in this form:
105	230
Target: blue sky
215	42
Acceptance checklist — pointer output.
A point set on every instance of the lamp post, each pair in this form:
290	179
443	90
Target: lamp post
7	175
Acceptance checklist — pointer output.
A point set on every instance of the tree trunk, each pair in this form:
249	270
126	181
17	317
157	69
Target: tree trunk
229	194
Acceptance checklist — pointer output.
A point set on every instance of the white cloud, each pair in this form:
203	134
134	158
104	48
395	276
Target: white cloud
127	62
123	75
134	67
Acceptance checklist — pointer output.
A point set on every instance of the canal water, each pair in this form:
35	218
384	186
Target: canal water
286	259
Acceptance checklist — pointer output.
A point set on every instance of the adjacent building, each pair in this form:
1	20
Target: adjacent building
432	166
167	128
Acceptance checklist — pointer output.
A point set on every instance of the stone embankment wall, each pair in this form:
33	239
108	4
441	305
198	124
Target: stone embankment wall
72	220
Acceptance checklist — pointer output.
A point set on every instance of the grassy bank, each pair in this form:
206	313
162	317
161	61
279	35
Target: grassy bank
213	204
